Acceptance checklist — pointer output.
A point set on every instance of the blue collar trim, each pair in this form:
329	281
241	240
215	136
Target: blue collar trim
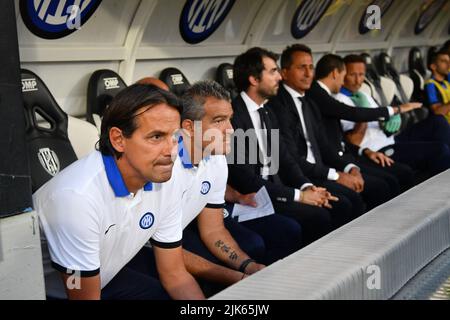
115	178
347	92
184	154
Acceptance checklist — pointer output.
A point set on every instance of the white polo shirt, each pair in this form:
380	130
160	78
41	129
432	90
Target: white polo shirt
93	224
204	184
374	138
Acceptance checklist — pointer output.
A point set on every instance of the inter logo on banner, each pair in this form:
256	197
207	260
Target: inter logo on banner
53	19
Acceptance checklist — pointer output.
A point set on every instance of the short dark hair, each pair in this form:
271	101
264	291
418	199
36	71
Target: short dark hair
434	56
194	98
250	63
122	112
446	46
354	58
288	52
327	64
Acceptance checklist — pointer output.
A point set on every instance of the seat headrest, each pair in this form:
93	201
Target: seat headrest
387	69
48	146
371	71
385	66
224	76
175	80
415	62
102	88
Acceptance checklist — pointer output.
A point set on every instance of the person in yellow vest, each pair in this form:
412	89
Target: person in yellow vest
446	48
437	87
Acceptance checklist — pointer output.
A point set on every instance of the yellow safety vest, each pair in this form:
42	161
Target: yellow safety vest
445	93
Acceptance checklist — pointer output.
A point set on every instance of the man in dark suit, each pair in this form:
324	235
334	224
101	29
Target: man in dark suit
330	73
256	76
301	125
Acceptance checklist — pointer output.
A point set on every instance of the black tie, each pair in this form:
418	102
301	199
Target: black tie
265	121
309	129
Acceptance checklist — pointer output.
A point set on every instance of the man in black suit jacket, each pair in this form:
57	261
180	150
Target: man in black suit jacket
330	74
256	77
301	125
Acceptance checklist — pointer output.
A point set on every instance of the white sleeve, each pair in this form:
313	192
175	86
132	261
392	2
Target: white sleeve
346	125
170	231
216	196
71	226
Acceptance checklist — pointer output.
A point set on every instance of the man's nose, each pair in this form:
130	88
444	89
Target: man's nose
279	78
229	128
170	146
308	73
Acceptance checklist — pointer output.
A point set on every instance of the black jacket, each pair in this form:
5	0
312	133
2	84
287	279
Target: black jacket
333	111
283	106
246	178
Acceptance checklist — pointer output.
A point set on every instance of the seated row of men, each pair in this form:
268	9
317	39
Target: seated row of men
181	188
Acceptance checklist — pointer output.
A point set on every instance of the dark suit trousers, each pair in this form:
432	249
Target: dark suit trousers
316	222
280	235
429	157
350	205
435	128
399	176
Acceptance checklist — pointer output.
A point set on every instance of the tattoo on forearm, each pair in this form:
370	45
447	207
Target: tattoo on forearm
219	243
233	256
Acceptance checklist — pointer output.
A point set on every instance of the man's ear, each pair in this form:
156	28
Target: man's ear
335	73
433	67
253	81
117	139
284	73
187	126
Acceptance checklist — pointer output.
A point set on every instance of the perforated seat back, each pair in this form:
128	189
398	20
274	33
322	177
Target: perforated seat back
407	85
373	76
83	136
415	62
175	80
102	87
224	76
49	148
405	89
366	88
386	69
388	86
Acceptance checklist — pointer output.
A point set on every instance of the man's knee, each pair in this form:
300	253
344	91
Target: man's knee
288	227
253	245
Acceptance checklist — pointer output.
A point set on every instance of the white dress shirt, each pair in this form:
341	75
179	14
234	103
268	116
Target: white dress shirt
261	136
298	104
390	109
374	138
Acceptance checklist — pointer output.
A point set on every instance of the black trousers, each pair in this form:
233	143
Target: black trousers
281	235
315	221
435	128
430	158
399	176
138	280
353	199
